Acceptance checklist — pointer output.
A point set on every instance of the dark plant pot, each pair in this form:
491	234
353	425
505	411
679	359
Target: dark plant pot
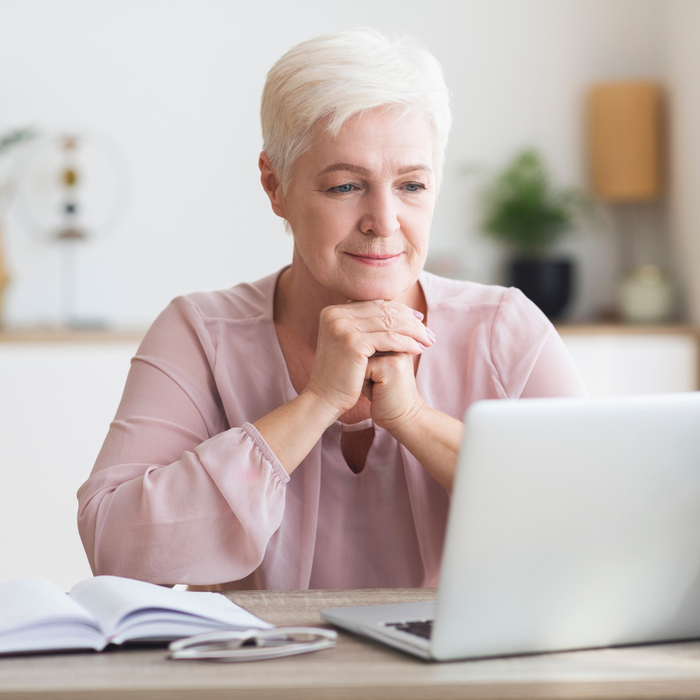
546	282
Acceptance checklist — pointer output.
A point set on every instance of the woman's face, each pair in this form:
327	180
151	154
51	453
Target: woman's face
360	206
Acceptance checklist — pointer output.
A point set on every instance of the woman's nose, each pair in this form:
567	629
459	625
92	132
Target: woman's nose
380	216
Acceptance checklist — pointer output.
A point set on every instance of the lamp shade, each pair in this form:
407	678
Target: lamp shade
624	125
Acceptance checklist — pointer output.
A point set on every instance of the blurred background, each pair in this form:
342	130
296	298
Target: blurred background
137	182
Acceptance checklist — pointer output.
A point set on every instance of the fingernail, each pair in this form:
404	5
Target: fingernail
418	314
423	347
431	335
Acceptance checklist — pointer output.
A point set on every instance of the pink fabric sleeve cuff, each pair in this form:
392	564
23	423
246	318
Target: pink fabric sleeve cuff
252	432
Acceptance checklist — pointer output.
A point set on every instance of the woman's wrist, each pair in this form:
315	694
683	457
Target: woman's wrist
319	410
410	423
294	428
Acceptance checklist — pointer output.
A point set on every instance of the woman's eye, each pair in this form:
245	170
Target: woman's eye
414	186
343	188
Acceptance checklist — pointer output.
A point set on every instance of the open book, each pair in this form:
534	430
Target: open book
35	615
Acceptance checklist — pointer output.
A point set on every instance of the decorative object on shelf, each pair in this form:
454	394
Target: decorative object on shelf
525	211
625	141
4	279
7	142
626	154
72	192
646	296
548	283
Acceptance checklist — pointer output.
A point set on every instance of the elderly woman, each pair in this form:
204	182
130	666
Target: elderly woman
302	431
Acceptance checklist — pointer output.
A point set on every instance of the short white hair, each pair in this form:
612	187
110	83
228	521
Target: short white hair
338	76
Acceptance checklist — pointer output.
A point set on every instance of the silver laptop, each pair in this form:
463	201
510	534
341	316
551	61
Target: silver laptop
575	523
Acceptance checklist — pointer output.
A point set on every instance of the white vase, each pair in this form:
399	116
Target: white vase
646	296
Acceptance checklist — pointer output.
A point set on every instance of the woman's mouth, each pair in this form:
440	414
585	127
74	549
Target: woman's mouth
375	260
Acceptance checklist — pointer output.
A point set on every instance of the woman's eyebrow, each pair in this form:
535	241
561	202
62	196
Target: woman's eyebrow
413	168
345	167
360	170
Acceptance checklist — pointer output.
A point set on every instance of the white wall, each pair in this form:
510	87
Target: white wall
176	84
683	70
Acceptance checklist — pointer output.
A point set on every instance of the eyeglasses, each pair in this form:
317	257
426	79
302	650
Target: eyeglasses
253	644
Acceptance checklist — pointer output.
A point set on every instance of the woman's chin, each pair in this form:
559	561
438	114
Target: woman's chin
371	290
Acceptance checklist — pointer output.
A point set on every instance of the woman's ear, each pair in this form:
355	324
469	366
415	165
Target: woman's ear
271	185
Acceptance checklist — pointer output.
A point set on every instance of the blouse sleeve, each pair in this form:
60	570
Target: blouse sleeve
529	354
176	496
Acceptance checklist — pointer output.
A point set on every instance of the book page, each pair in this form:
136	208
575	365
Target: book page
36	615
130	609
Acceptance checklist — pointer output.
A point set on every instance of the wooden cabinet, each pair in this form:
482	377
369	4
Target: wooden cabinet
58	395
624	360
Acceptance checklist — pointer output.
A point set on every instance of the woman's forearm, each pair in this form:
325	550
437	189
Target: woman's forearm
434	439
294	428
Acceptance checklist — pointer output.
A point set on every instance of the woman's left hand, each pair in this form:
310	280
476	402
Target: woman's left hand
390	385
431	436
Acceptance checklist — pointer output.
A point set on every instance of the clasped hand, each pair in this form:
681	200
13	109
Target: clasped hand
368	347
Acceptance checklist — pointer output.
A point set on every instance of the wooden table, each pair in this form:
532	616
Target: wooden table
356	668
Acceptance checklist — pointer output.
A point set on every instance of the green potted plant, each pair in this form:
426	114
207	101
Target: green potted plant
525	211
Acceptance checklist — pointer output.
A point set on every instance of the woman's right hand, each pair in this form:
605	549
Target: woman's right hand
349	335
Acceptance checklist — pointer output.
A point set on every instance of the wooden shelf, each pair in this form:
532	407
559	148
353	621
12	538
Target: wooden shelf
626	329
66	335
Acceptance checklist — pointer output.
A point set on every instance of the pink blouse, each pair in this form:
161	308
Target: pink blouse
185	490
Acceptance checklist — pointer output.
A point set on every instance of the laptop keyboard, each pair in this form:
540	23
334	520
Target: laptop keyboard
421	628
